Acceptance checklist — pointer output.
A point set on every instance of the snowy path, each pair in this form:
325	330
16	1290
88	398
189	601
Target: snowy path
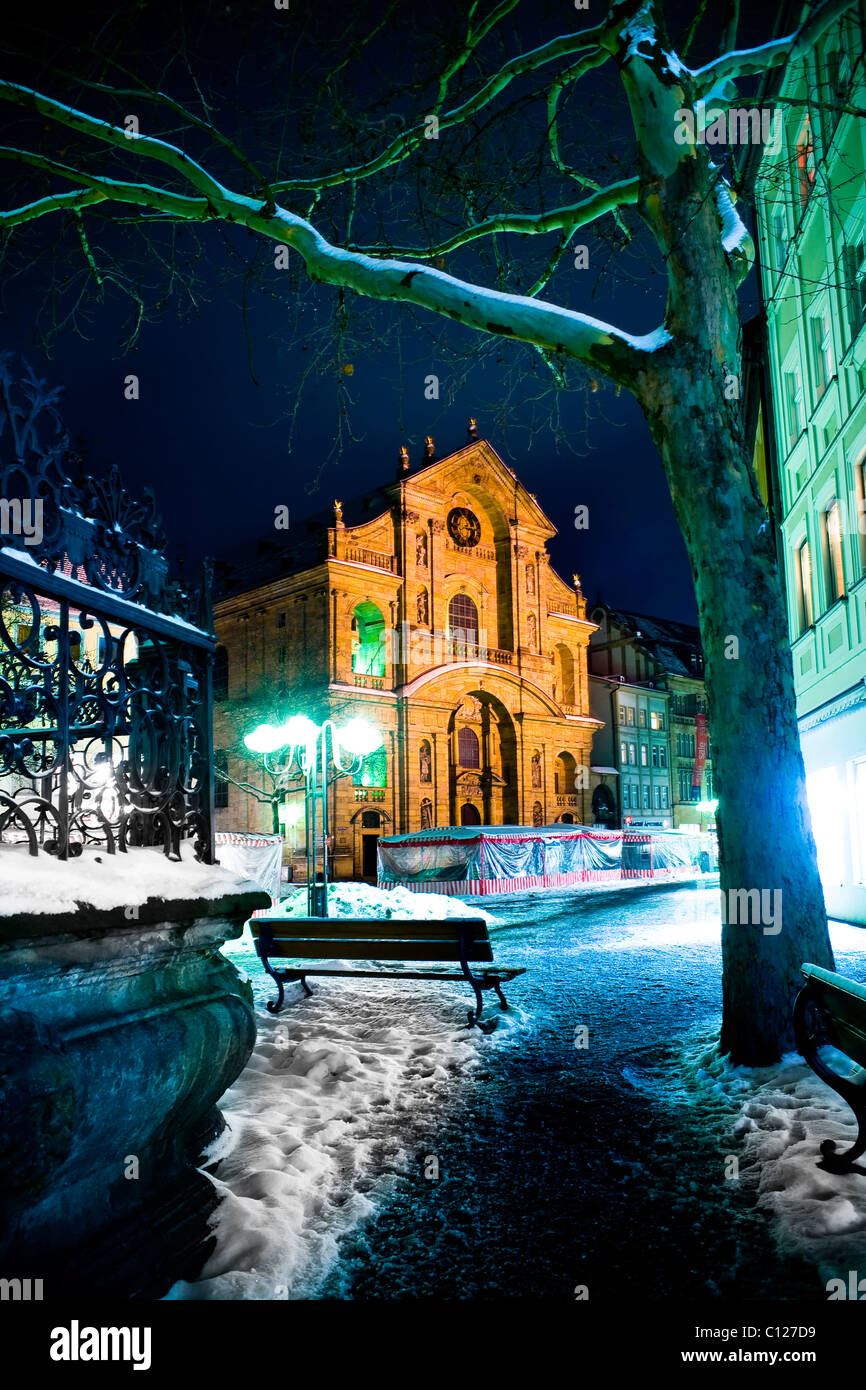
557	1166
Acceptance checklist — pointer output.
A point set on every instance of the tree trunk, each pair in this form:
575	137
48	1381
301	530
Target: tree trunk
765	834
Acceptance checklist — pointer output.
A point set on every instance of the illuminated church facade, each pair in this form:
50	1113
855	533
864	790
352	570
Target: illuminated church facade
432	612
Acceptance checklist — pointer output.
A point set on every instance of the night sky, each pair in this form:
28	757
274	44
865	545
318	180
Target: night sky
223	432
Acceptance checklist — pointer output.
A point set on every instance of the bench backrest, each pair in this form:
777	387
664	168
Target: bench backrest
368	938
843	1006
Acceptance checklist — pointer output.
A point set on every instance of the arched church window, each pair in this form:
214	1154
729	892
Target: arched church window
467	748
463	620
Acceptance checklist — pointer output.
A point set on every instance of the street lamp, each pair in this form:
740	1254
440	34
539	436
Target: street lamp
314	747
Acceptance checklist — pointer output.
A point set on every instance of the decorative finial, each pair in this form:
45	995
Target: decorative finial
429	448
338	512
576	578
404	459
472	430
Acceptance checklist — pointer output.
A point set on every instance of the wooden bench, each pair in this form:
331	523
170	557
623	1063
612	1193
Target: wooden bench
461	939
832	1009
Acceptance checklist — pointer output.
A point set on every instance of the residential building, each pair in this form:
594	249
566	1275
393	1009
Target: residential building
646	683
810	199
430	609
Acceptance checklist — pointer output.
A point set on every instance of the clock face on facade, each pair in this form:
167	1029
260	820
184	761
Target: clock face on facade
464	528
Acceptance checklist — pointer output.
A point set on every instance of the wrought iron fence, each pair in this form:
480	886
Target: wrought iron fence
105	661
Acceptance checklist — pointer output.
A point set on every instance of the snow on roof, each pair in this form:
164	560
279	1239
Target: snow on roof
669	643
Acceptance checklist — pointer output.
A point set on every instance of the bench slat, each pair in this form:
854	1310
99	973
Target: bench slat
369	928
505	973
335	948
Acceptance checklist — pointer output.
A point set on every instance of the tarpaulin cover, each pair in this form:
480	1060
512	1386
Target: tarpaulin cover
476	855
259	857
645	853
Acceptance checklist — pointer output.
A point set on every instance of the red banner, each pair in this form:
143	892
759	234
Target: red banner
700	749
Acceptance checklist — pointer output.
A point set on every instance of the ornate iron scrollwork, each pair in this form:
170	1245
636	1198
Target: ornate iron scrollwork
105	662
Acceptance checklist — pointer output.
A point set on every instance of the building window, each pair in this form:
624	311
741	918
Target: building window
664	798
854	274
658	791
780	240
657	719
373	771
281	620
643	755
220	785
629	715
622	714
804	586
370	820
221	674
646	798
463	620
655	755
805	162
626	797
663	756
632	755
793	406
860	498
368	640
623	752
819	329
833	559
641	718
467	748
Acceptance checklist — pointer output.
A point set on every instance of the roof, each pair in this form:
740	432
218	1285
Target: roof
665	641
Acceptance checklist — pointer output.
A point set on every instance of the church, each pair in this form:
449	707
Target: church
429	609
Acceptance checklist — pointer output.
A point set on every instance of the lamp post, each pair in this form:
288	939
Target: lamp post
315	747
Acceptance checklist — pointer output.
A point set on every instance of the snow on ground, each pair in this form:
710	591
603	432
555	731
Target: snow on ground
333	1106
777	1119
43	883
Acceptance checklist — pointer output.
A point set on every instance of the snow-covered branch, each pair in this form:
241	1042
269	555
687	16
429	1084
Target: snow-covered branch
750	62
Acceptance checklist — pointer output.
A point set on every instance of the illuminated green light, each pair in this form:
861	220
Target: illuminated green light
708	808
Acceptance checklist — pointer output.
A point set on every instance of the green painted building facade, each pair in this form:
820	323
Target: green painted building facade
810	197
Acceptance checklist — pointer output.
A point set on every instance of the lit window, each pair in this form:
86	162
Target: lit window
629	714
860	496
373	771
463	620
643	755
805	162
834	559
622	714
641	718
632	756
804	586
657	719
623	752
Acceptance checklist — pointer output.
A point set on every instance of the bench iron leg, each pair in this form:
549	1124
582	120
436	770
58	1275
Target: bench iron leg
855	1095
841	1162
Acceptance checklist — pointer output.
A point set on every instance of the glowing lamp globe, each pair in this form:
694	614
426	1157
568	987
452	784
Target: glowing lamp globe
359	737
265	739
299	731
